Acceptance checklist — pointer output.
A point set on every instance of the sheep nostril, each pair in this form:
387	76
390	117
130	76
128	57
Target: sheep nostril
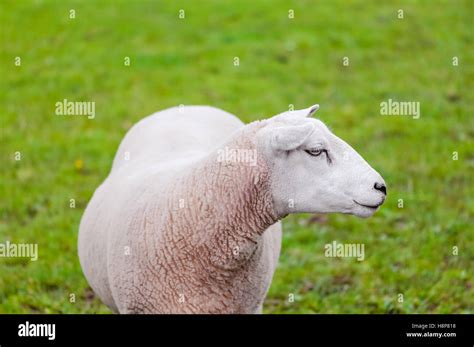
381	187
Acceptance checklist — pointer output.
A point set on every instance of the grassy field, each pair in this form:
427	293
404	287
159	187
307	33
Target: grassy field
282	61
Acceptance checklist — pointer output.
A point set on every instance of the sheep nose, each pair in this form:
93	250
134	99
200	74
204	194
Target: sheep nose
381	187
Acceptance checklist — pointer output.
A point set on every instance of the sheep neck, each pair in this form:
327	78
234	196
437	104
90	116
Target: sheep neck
235	204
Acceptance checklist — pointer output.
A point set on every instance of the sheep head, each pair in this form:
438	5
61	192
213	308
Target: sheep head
313	170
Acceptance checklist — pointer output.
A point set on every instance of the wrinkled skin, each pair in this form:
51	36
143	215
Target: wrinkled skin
175	229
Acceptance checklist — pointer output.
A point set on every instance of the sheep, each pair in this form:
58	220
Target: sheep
188	220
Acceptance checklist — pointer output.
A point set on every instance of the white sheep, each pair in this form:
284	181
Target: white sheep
188	219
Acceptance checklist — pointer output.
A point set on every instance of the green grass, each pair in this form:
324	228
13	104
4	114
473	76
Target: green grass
282	61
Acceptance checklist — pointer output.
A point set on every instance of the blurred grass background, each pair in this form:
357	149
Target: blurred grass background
282	61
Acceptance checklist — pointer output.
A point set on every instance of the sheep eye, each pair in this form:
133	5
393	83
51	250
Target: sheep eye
315	152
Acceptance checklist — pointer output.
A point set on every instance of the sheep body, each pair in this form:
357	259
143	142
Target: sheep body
173	230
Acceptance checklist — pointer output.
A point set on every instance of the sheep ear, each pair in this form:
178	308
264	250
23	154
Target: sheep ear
306	112
290	137
312	110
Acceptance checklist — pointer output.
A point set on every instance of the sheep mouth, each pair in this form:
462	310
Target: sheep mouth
374	207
